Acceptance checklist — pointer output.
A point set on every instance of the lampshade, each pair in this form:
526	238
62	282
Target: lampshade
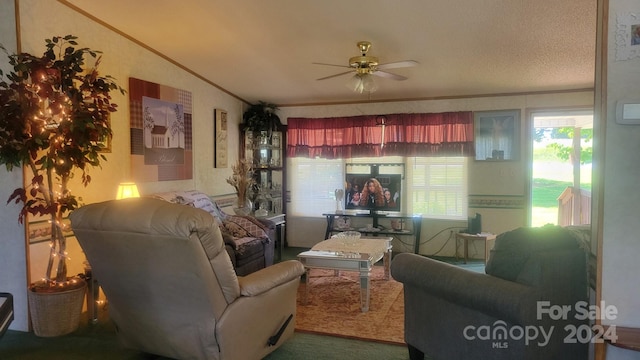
362	82
127	190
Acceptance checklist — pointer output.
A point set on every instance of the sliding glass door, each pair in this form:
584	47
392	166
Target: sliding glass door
561	144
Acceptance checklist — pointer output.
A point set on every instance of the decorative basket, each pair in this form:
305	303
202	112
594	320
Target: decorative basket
56	313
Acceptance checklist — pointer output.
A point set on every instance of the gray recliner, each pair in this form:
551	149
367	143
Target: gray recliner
453	313
172	289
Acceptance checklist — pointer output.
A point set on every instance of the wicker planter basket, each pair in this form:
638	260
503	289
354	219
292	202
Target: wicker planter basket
56	313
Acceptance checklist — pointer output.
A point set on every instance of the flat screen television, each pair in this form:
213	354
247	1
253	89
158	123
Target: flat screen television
374	192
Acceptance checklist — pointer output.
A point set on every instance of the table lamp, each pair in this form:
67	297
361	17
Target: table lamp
127	190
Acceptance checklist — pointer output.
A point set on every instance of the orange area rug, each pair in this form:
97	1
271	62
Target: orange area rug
333	307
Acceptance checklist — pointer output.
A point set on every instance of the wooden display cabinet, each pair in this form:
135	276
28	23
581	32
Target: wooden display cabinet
265	150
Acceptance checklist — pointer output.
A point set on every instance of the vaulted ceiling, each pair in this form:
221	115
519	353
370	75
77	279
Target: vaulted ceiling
266	50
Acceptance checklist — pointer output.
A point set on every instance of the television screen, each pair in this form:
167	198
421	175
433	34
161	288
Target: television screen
368	192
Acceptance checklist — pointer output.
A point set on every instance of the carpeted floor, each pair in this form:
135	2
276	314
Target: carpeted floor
98	342
305	346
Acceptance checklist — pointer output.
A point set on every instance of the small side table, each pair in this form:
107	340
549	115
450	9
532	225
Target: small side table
279	220
93	294
487	238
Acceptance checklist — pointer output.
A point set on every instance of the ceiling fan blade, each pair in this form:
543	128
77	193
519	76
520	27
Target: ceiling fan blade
344	66
388	75
398	64
335	75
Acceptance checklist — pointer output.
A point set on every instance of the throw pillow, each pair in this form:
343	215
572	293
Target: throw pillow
193	198
245	226
234	229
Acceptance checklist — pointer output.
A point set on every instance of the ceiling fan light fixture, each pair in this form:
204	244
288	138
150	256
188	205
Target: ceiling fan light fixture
355	83
368	83
364	67
362	83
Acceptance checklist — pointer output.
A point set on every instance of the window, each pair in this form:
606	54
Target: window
312	184
436	187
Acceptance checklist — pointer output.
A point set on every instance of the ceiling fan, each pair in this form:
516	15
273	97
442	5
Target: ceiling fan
364	66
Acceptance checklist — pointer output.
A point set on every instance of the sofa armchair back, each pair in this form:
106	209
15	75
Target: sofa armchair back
171	287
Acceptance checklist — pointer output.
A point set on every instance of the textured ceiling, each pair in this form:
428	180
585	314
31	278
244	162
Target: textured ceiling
264	50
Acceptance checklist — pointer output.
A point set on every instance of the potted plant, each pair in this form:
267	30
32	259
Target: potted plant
54	117
261	117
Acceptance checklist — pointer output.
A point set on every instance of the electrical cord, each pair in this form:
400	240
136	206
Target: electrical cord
445	244
451	228
440	232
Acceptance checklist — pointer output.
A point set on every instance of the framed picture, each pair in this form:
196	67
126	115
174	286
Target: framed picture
628	36
161	131
40	230
105	142
220	139
497	135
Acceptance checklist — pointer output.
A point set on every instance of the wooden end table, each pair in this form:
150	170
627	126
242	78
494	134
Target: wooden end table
487	238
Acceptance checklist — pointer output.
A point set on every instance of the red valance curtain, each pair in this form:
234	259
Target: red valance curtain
439	134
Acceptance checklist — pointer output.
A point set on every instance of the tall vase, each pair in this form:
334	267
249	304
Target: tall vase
339	193
244	208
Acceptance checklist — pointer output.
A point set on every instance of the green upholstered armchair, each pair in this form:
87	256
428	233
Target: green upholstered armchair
507	313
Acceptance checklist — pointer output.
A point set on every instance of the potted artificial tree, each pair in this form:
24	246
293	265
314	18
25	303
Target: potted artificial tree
54	117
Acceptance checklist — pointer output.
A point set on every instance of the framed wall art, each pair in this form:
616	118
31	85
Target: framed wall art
220	153
497	135
161	133
105	143
40	230
627	36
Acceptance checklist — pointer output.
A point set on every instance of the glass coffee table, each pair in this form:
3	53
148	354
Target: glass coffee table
333	254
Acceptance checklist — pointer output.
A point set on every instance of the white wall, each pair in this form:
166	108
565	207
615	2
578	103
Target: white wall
486	178
621	198
122	59
13	256
13	263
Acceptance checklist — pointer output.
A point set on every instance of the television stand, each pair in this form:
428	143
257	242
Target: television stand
376	224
